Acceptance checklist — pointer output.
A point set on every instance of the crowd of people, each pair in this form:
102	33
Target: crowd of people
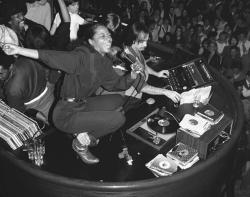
215	30
54	59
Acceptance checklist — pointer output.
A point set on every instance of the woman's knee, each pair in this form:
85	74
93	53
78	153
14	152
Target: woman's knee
117	122
122	118
110	125
116	99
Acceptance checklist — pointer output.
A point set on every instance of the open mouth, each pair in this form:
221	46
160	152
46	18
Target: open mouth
21	23
108	45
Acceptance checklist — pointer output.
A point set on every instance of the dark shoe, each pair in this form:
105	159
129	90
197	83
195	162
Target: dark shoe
84	153
93	141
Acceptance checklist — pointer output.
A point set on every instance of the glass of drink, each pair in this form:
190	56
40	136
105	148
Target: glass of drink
197	101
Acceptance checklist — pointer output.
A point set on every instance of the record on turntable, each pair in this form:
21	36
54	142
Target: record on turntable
163	122
143	132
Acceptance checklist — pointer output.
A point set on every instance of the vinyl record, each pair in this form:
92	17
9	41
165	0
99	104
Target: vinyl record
161	124
164	165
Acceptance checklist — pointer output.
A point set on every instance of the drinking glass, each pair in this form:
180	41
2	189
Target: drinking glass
197	102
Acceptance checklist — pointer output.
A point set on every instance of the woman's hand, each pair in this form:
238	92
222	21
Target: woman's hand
11	49
133	74
136	67
173	95
163	74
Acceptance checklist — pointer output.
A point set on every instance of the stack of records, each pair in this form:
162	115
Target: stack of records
162	166
184	155
195	125
210	113
15	127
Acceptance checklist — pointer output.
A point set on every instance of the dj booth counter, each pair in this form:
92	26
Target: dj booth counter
206	178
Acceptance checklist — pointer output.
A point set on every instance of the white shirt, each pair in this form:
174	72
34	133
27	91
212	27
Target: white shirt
40	14
75	21
221	46
245	91
246	46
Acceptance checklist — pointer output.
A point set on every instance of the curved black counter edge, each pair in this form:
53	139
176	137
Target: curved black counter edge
204	179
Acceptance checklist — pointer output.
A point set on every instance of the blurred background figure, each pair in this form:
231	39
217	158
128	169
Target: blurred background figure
39	11
75	19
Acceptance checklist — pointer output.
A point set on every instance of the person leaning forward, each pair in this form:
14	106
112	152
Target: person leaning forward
87	68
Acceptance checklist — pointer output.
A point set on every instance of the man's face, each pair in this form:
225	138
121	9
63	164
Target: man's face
17	22
142	41
74	8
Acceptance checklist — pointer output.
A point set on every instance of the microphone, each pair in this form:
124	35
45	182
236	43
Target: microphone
124	56
136	65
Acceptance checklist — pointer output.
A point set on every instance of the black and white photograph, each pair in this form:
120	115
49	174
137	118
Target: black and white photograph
125	98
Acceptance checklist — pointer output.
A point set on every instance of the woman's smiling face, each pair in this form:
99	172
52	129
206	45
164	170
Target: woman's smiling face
101	40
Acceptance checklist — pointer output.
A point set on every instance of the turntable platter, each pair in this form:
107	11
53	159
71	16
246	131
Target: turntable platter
163	125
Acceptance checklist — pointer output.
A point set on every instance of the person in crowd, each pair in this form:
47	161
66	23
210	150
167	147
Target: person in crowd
164	28
14	18
243	43
228	61
75	19
178	37
112	21
171	16
233	41
142	16
135	42
207	26
212	57
154	29
168	40
245	92
238	75
222	41
14	12
5	64
162	9
203	47
39	11
145	5
86	68
245	60
27	86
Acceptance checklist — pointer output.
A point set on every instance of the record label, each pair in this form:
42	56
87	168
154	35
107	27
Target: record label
193	122
164	165
209	112
163	122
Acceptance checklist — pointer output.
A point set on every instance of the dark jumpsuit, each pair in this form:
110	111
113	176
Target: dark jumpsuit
86	70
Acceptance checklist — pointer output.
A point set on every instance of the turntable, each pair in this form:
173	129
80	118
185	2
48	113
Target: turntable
163	122
156	129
